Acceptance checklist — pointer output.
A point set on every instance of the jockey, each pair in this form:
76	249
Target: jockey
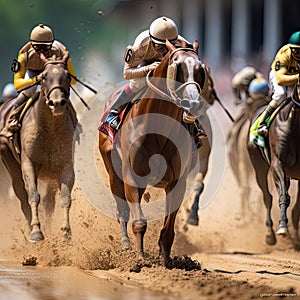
145	55
29	65
283	76
258	88
8	92
240	83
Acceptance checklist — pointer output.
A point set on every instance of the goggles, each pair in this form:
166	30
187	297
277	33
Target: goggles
295	51
41	47
160	47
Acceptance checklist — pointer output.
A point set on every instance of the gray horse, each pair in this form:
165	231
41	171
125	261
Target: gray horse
43	147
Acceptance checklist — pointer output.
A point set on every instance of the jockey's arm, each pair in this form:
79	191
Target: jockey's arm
130	72
20	81
285	79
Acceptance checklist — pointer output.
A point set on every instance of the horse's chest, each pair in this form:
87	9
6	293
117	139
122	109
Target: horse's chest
48	150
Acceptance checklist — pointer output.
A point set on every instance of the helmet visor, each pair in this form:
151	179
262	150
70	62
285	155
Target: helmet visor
41	47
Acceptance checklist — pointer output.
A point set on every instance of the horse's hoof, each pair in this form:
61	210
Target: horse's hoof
125	243
271	239
36	236
193	221
67	236
283	231
140	256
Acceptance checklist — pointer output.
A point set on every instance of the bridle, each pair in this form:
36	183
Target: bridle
171	72
66	91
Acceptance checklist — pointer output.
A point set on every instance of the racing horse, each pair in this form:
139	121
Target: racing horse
45	147
154	148
284	153
239	160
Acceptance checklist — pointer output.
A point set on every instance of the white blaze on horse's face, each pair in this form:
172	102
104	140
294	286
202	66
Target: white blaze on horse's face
188	70
57	94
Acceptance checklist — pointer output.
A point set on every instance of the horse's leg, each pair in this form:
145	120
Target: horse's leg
116	186
296	217
47	193
49	198
14	170
66	185
261	168
123	214
203	154
30	179
174	199
244	172
139	222
282	185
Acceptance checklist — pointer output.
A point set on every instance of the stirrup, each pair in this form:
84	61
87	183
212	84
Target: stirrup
262	130
113	119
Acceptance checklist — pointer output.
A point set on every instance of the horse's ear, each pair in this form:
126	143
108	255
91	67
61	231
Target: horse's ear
170	46
196	45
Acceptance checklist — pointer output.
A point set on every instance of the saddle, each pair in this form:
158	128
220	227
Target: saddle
263	142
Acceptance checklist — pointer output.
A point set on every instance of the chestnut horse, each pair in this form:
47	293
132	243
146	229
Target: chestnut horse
45	147
284	153
154	148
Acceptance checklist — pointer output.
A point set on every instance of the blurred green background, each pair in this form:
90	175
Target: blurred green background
96	32
79	24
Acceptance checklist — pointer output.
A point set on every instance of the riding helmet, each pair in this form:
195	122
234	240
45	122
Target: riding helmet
258	86
9	91
294	39
42	34
161	29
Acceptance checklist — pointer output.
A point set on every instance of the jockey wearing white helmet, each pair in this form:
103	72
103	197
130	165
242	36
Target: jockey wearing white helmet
143	56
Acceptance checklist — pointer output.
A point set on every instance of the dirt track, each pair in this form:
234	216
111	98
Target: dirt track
228	258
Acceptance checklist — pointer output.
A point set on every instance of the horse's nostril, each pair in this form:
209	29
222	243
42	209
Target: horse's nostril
51	103
63	102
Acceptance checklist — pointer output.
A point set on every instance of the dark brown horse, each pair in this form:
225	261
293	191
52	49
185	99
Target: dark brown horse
154	148
284	136
46	147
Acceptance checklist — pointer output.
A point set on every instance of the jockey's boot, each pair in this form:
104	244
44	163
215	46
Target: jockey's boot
262	129
13	122
199	133
113	117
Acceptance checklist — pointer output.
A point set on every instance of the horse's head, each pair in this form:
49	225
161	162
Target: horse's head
55	84
185	79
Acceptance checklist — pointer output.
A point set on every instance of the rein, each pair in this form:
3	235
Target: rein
173	93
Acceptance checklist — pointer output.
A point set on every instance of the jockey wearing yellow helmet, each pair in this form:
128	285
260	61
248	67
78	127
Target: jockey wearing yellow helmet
140	58
29	65
283	76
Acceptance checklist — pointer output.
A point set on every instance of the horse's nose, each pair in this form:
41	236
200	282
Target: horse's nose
57	104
